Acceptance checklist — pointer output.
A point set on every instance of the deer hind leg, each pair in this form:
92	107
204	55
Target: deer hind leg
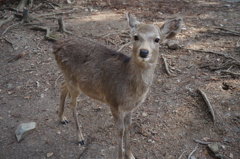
73	103
64	93
127	124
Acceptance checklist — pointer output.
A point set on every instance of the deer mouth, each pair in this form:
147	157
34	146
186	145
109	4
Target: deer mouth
144	59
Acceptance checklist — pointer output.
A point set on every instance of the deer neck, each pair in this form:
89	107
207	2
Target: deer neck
142	73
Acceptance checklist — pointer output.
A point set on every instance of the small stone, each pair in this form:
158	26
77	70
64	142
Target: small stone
24	127
151	141
173	44
37	84
49	154
144	114
9	85
193	157
223	146
228	114
213	147
102	152
227	5
231	155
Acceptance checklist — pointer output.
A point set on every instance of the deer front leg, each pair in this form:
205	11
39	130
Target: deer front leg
119	121
127	124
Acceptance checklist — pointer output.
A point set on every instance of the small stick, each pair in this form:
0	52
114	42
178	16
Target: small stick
208	104
189	156
181	155
166	65
124	46
202	142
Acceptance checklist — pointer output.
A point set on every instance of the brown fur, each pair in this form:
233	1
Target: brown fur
103	74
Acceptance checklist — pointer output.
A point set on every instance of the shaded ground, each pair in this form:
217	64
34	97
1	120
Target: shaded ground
172	116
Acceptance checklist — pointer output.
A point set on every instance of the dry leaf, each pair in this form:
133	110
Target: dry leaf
10	92
49	154
27	97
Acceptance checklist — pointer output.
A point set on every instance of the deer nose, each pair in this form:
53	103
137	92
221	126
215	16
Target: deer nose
143	53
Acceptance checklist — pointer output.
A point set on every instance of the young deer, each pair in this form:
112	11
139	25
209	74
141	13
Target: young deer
109	76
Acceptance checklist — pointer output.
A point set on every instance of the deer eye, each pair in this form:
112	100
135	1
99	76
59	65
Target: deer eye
136	38
156	40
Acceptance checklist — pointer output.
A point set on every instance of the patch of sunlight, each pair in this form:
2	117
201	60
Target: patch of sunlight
104	16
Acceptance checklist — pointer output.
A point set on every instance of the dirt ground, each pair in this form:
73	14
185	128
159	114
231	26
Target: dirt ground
174	113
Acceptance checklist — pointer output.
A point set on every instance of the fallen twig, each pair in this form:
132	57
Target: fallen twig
124	46
229	72
166	65
52	4
227	31
17	57
208	104
181	155
212	52
56	81
202	142
189	156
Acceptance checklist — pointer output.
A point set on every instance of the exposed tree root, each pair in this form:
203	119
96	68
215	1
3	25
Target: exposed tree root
10	18
166	66
59	13
22	4
10	27
47	30
208	104
231	61
62	28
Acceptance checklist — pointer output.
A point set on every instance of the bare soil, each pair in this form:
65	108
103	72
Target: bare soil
174	113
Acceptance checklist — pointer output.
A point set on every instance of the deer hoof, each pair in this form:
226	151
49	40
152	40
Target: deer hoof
81	142
64	122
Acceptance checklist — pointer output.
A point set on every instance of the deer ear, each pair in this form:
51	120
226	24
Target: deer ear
132	21
170	28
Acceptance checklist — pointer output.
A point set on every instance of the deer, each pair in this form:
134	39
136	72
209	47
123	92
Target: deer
109	76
